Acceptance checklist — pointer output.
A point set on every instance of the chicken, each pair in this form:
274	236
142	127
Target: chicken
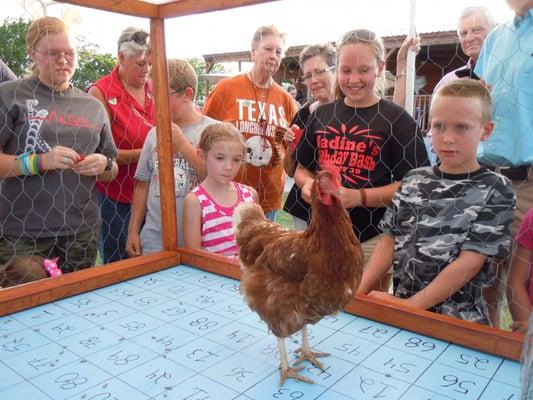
293	278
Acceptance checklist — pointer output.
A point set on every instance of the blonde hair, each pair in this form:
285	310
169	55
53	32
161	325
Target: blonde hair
40	28
267	30
181	75
217	132
369	38
467	89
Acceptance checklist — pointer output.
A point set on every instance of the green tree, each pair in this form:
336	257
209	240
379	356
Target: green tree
91	63
198	65
13	45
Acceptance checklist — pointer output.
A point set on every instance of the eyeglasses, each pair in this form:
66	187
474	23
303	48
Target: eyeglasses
316	73
56	55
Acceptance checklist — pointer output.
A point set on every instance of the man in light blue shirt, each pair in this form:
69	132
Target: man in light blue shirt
506	65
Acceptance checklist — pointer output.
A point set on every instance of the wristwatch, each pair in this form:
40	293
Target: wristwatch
109	164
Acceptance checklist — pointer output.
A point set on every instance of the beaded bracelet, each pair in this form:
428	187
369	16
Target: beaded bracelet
23	169
34	167
30	164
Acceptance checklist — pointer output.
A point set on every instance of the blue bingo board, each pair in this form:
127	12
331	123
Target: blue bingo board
185	334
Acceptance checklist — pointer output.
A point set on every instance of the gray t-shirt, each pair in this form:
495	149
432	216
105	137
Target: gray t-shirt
34	118
5	73
185	179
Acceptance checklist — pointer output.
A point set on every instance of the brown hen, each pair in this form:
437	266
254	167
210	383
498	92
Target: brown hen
293	278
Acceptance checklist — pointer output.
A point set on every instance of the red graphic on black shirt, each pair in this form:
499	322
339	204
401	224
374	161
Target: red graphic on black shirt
354	152
66	119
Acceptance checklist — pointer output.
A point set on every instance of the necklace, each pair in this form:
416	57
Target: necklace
263	123
262	113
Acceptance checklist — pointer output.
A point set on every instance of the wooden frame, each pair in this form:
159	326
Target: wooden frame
475	336
490	340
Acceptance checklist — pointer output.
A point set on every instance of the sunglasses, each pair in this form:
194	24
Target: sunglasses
140	37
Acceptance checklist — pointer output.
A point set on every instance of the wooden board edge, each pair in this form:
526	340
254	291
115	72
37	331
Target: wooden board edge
47	290
136	8
464	333
188	7
211	263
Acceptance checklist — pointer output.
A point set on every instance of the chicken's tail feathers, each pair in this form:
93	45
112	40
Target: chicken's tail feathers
244	211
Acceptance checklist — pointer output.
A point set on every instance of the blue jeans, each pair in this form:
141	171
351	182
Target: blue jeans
114	234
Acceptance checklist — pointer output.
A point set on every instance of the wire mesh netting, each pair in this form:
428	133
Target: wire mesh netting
80	170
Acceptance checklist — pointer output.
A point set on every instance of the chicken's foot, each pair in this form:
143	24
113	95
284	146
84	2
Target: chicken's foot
285	370
307	354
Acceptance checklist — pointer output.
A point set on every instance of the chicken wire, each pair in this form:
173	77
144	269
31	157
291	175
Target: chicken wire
265	146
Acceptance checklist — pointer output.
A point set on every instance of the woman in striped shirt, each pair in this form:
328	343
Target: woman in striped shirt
208	208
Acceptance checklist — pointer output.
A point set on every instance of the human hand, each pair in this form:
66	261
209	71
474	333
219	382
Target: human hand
307	190
91	165
296	135
520	326
133	245
350	198
289	135
389	297
410	43
60	157
362	290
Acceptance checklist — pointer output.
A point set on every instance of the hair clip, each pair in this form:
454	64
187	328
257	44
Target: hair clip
51	267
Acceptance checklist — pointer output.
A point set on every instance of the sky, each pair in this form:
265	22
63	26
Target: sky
304	21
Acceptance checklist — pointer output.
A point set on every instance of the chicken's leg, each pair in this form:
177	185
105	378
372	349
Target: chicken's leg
285	370
307	354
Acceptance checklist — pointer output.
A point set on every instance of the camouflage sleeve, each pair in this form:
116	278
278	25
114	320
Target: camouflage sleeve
490	232
389	222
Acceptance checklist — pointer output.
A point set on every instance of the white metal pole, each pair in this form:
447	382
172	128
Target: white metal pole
410	72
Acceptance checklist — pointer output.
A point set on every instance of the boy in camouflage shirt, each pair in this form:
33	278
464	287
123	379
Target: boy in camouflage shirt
447	222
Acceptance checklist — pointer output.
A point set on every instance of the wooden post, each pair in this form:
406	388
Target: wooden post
164	135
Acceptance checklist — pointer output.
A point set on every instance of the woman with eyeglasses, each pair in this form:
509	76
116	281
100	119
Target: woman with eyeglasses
55	143
317	63
126	93
261	110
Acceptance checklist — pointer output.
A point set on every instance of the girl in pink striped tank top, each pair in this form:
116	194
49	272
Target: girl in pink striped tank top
208	208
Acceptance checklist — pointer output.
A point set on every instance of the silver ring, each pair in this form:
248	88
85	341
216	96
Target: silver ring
65	160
